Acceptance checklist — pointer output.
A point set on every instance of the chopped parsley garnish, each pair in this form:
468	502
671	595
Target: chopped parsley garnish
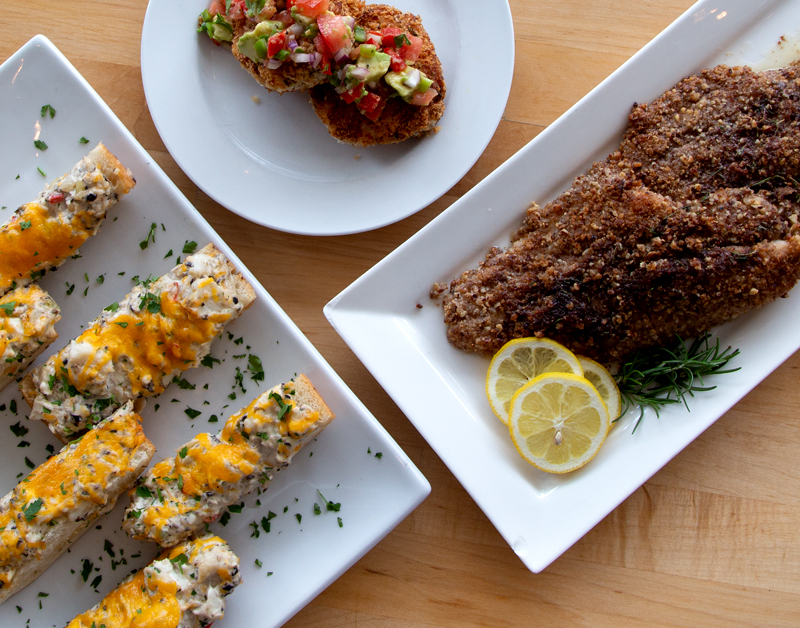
183	452
108	548
401	40
151	301
86	569
41	172
329	506
208	361
213	418
192	413
30	465
339	519
236	508
8	307
123	324
379	455
265	521
100	279
283	407
180	560
143	491
70	288
95	583
226	516
40	144
169	254
83	140
48	109
258	563
112	308
151	235
25	224
256	368
183	384
32	509
189	247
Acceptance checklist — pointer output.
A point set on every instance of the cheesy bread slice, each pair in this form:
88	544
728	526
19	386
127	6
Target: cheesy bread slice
27	327
130	351
48	510
185	587
179	495
42	234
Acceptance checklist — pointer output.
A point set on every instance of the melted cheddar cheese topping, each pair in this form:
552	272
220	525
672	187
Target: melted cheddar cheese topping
152	344
66	485
36	238
135	604
11	321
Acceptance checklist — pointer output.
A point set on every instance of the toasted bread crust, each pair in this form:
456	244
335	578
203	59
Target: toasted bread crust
399	120
120	177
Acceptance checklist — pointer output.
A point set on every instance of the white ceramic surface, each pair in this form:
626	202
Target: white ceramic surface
304	557
441	389
274	162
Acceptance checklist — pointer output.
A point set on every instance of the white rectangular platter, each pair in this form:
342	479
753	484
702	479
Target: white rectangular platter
441	389
303	552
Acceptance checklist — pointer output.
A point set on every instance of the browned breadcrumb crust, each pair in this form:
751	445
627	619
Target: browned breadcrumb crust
290	76
399	120
690	223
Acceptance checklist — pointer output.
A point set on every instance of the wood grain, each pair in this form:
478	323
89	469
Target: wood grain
711	540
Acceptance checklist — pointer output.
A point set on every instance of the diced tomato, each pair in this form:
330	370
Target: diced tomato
397	64
372	105
289	4
352	94
425	98
284	17
374	38
57	197
333	31
322	47
276	43
388	34
411	52
216	6
311	8
237	10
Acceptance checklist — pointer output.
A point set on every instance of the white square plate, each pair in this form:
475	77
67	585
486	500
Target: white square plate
441	389
303	556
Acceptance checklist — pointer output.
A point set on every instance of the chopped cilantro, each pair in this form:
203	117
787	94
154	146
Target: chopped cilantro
189	247
32	509
83	140
151	235
48	109
40	144
192	413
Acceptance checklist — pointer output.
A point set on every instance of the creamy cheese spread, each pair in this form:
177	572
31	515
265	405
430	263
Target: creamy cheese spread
212	471
27	317
131	350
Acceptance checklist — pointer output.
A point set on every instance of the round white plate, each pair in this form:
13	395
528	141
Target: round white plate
273	161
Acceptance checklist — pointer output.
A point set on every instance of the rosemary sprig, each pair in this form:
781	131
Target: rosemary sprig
665	375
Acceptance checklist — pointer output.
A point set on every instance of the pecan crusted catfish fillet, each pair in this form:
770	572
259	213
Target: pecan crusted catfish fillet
690	223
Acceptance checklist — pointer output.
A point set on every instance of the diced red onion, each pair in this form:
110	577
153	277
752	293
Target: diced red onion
341	55
317	59
412	78
350	21
302	57
291	43
295	29
359	73
274	64
340	75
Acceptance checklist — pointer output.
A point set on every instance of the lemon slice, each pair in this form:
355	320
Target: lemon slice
558	422
518	362
604	382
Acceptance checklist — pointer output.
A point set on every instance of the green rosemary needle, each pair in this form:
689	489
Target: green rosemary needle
665	375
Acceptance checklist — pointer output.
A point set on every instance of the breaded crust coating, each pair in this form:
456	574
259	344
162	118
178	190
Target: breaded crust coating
399	120
290	76
692	222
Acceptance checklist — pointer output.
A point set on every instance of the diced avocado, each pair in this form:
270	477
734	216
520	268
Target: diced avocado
217	28
247	46
251	45
366	50
397	81
377	65
424	83
301	19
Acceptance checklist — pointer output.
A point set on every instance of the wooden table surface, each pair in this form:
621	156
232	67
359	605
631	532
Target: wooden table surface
710	540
